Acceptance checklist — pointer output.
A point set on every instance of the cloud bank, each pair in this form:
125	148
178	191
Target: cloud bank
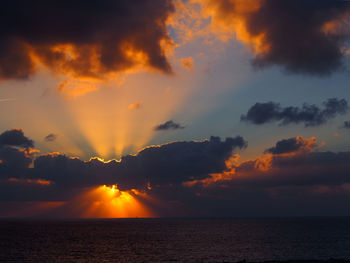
172	163
194	178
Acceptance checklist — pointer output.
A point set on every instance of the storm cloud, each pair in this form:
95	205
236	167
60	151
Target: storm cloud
311	37
309	114
83	38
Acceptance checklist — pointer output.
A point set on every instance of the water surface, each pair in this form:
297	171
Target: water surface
174	240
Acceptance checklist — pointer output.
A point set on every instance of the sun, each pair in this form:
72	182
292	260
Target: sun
110	202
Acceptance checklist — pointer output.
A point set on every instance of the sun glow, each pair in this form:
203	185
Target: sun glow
108	124
110	202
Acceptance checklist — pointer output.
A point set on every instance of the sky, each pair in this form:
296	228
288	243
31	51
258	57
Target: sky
170	108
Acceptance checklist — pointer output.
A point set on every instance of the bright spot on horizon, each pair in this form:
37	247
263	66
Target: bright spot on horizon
110	202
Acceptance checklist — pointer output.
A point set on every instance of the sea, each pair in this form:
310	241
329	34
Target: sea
174	240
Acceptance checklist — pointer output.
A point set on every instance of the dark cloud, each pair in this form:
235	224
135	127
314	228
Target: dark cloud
309	38
15	137
82	38
310	115
13	162
167	164
179	161
304	169
169	125
15	153
298	42
51	137
304	183
194	179
71	173
347	124
292	145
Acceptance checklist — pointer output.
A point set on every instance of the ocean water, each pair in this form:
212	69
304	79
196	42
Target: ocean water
174	240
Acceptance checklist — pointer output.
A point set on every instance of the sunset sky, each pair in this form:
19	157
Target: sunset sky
158	108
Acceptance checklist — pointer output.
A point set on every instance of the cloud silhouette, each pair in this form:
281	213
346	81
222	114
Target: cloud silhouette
168	125
15	137
50	137
171	163
292	145
193	178
310	115
347	124
15	153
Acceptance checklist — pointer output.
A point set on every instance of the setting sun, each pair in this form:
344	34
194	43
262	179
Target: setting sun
110	202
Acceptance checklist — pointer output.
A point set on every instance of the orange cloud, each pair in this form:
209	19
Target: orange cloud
122	37
229	20
188	63
135	106
262	165
293	146
31	181
315	46
71	89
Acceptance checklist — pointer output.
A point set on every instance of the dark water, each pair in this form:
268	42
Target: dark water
174	240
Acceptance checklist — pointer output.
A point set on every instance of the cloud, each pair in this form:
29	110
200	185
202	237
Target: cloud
293	145
164	164
167	164
188	63
306	169
304	183
347	124
14	162
51	137
178	162
15	137
84	39
135	106
15	153
310	115
71	89
310	37
169	125
193	178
